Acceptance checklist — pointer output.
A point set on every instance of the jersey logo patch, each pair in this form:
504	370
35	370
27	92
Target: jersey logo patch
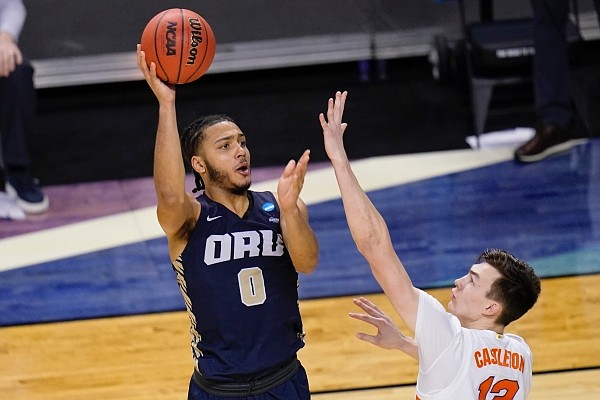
209	218
268	207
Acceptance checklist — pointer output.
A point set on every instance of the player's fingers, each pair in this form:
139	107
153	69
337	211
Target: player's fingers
303	160
342	102
302	164
360	302
344	126
365	304
376	322
289	168
372	309
339	107
370	305
330	110
141	62
153	71
140	56
322	120
367	338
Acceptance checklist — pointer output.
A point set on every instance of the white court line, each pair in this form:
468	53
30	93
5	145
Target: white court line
141	224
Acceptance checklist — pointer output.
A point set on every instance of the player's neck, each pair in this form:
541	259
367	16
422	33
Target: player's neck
483	324
236	202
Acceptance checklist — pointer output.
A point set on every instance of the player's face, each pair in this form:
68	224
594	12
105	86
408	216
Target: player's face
226	157
469	301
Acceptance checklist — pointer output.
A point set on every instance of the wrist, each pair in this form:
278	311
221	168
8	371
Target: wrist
7	37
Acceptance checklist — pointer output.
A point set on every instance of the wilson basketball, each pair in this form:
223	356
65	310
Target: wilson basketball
181	44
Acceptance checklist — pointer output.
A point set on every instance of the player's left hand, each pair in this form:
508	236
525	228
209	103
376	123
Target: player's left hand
291	182
388	335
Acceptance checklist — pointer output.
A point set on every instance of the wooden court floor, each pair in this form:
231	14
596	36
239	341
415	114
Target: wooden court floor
148	357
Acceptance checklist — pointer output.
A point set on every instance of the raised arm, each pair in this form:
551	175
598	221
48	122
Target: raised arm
298	236
369	230
177	211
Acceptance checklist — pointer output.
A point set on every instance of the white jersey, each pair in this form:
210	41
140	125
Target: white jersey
465	364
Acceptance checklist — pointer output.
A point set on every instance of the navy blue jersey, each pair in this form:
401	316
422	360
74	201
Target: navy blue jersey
241	291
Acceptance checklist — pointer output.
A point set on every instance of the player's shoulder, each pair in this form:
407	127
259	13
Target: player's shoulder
517	340
263	197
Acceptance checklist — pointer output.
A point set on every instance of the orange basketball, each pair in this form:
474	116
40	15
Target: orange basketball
181	44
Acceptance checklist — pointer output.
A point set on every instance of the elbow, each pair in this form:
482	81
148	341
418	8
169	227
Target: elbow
372	240
368	246
311	266
306	268
308	263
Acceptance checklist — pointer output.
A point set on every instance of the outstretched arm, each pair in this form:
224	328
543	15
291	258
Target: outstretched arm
369	230
298	236
177	211
388	335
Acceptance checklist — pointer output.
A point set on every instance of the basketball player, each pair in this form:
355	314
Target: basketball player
236	254
463	354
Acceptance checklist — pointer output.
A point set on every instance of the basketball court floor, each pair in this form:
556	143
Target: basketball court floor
89	305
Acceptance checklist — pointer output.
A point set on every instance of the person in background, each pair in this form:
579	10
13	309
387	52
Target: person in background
464	353
553	104
20	192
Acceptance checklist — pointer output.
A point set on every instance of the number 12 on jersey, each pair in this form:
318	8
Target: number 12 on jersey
504	389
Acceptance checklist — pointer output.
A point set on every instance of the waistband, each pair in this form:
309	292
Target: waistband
254	387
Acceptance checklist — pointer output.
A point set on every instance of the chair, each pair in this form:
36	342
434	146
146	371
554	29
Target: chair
496	52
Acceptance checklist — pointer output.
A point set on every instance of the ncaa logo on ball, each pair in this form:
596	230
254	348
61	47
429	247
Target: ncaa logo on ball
171	38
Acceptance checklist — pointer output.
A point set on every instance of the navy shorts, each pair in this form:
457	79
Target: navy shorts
294	389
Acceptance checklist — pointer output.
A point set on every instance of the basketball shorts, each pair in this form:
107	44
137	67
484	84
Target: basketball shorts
295	388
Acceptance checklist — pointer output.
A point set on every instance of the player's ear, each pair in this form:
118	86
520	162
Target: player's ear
198	164
493	308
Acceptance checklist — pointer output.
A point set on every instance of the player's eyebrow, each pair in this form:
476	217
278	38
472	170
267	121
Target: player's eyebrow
228	138
474	274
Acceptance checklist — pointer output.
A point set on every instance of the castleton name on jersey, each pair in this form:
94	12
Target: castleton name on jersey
498	356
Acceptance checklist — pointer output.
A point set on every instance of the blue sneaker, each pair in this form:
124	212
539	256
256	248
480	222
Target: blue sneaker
25	189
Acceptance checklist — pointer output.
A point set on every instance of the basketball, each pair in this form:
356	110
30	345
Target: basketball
181	44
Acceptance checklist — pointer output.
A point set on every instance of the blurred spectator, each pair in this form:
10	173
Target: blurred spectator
19	190
553	104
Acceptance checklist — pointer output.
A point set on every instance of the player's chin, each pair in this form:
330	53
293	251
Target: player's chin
241	187
451	306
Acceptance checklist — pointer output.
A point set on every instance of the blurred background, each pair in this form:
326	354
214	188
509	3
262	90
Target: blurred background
276	64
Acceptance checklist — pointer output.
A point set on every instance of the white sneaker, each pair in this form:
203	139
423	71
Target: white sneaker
25	190
9	208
